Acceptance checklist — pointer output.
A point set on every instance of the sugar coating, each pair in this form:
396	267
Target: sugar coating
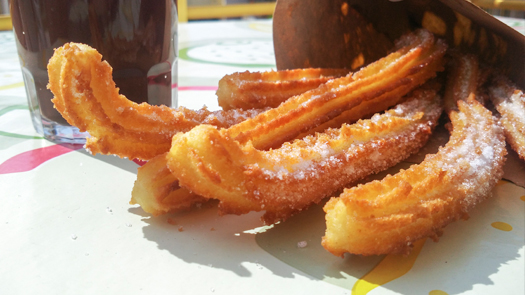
419	201
510	104
315	152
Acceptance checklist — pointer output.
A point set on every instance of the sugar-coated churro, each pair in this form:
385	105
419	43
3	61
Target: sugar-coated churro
510	104
387	216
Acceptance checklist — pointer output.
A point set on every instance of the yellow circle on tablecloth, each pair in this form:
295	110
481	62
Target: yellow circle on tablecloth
502	226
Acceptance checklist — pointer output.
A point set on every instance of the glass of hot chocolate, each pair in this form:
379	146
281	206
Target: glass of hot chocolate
138	38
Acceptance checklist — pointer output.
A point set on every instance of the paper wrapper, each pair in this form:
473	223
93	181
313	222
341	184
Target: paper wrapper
353	33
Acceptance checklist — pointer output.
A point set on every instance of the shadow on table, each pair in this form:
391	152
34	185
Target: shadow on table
203	237
462	259
470	252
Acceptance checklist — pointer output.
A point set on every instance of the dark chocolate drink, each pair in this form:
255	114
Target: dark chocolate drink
137	38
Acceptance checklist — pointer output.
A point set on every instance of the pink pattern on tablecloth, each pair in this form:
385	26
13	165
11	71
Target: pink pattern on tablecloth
195	88
139	162
29	160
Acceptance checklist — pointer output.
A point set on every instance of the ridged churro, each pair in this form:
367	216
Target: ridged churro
510	104
87	98
158	191
249	90
388	216
232	165
426	56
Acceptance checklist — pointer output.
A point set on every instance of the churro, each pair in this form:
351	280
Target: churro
87	98
388	216
249	90
510	104
234	165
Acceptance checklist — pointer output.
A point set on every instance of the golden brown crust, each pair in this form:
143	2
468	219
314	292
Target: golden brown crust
387	216
158	191
286	180
232	165
392	76
249	90
430	64
510	104
87	98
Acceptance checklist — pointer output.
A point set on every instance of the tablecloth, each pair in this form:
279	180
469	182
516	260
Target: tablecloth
67	227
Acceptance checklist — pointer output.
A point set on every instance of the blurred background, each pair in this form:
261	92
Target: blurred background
510	8
221	9
194	10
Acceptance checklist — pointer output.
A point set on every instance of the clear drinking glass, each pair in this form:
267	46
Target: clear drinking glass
138	38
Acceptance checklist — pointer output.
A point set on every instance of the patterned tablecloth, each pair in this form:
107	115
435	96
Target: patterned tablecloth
67	227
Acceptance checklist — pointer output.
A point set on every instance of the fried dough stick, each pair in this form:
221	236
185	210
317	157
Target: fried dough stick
158	191
231	164
418	58
87	98
387	216
172	197
510	104
269	89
